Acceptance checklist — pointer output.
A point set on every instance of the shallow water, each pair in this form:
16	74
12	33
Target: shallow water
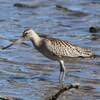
27	74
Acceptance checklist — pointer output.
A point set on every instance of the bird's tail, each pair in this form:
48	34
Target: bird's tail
94	56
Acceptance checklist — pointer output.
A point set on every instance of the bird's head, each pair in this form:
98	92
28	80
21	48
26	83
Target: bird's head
28	34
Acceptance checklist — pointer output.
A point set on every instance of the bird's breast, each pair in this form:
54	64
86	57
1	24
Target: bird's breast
42	49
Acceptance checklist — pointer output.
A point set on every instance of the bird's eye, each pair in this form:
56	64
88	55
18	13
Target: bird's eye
26	33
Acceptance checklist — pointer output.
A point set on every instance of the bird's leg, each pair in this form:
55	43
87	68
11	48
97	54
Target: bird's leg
62	71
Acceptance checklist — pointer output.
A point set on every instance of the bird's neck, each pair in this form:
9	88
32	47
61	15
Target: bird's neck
36	40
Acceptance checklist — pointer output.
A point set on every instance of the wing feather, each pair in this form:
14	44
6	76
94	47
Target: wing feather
62	48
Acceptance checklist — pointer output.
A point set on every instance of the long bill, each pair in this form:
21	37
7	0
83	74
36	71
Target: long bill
16	42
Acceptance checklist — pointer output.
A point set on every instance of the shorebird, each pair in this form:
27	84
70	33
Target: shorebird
55	49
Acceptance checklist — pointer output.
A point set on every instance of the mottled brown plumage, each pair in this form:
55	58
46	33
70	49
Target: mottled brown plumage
63	48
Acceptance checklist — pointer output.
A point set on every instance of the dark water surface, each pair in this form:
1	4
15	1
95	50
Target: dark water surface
27	74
